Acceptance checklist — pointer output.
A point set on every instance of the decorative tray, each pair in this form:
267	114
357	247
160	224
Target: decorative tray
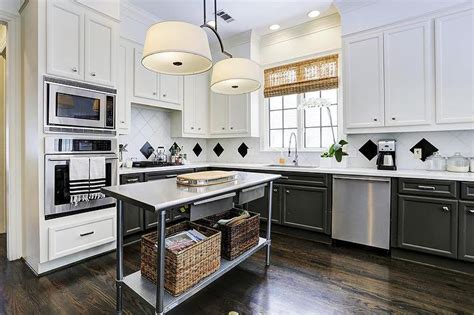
206	178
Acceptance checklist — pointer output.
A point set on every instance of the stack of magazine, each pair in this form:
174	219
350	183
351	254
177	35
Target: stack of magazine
183	240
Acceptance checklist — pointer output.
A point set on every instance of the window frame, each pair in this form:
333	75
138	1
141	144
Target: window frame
300	119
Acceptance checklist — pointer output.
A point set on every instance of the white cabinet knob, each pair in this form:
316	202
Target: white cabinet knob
164	95
93	74
375	119
74	69
223	128
199	128
393	118
154	93
192	128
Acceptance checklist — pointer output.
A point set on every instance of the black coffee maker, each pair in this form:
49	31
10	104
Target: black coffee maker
386	156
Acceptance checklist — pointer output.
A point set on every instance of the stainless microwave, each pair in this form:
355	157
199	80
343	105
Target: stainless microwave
78	107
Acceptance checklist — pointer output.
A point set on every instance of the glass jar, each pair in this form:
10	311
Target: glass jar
436	162
458	163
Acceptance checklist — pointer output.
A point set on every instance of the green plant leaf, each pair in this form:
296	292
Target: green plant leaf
338	155
343	142
331	150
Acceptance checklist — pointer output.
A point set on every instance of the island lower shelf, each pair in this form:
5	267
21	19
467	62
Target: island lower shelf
146	289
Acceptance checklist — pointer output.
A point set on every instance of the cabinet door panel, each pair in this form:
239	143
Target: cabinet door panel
171	88
261	205
428	225
466	231
454	68
100	50
65	40
363	85
133	215
189	104
201	114
145	81
219	113
238	113
305	207
123	106
408	67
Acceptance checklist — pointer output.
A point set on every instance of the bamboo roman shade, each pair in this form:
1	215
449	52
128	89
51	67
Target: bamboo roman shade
300	77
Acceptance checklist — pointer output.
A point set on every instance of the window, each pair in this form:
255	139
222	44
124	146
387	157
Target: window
312	126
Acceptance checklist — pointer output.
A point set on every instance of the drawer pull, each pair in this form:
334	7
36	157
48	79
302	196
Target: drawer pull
287	191
426	187
470	210
132	180
446	209
88	233
284	177
275	190
171	175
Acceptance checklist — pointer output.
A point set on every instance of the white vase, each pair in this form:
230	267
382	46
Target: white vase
325	162
342	164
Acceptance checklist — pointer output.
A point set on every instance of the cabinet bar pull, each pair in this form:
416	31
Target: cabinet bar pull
426	187
132	180
284	177
171	175
85	234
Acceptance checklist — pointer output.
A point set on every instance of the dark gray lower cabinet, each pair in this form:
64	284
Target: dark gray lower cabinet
133	215
466	231
306	207
428	225
261	205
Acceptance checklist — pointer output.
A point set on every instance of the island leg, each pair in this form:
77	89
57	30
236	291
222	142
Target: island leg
269	222
119	257
160	264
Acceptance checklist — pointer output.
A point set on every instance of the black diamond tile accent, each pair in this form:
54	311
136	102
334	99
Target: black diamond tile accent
369	150
174	146
147	150
218	149
243	149
197	149
426	147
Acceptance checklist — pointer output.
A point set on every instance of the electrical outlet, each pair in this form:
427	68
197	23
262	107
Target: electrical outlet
417	153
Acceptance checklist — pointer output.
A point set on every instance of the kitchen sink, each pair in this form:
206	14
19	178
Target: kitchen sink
292	166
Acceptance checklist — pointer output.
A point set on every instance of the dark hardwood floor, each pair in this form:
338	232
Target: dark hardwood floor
305	278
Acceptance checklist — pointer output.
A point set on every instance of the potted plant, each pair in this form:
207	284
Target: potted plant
335	157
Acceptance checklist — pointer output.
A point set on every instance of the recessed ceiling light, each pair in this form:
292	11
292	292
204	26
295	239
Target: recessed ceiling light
211	23
274	27
314	13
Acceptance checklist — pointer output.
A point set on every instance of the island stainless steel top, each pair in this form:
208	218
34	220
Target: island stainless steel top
166	193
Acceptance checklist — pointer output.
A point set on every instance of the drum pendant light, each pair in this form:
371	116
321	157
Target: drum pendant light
235	76
177	48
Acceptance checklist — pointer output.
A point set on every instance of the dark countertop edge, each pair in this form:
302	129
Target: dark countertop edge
168	205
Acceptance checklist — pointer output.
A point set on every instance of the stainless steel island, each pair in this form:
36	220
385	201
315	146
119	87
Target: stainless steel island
160	196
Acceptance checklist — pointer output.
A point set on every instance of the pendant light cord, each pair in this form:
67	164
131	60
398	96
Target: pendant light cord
214	29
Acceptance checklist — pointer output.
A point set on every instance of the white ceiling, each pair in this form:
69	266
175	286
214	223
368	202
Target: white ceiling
247	14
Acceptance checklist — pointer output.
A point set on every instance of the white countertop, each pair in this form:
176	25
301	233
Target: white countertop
424	174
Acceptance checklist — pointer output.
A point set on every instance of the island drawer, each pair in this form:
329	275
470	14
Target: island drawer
427	187
214	205
467	190
247	195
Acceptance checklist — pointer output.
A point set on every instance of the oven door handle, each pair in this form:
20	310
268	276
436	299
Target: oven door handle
65	159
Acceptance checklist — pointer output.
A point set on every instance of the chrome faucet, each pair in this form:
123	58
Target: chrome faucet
295	161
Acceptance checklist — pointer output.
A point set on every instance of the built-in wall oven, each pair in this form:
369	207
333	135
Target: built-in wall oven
78	107
59	151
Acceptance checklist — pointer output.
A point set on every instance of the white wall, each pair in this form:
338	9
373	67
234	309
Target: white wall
3	204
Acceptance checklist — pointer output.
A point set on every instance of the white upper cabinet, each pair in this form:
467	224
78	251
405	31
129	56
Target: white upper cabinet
363	81
81	45
125	54
153	89
408	66
65	40
454	68
145	83
219	113
171	88
238	111
100	53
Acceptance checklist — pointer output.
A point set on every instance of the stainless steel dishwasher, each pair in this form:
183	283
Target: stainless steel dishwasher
361	210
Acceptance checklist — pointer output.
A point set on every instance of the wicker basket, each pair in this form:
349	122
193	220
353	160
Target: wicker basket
185	268
238	238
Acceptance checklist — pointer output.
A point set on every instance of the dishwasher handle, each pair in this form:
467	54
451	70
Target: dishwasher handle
368	179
